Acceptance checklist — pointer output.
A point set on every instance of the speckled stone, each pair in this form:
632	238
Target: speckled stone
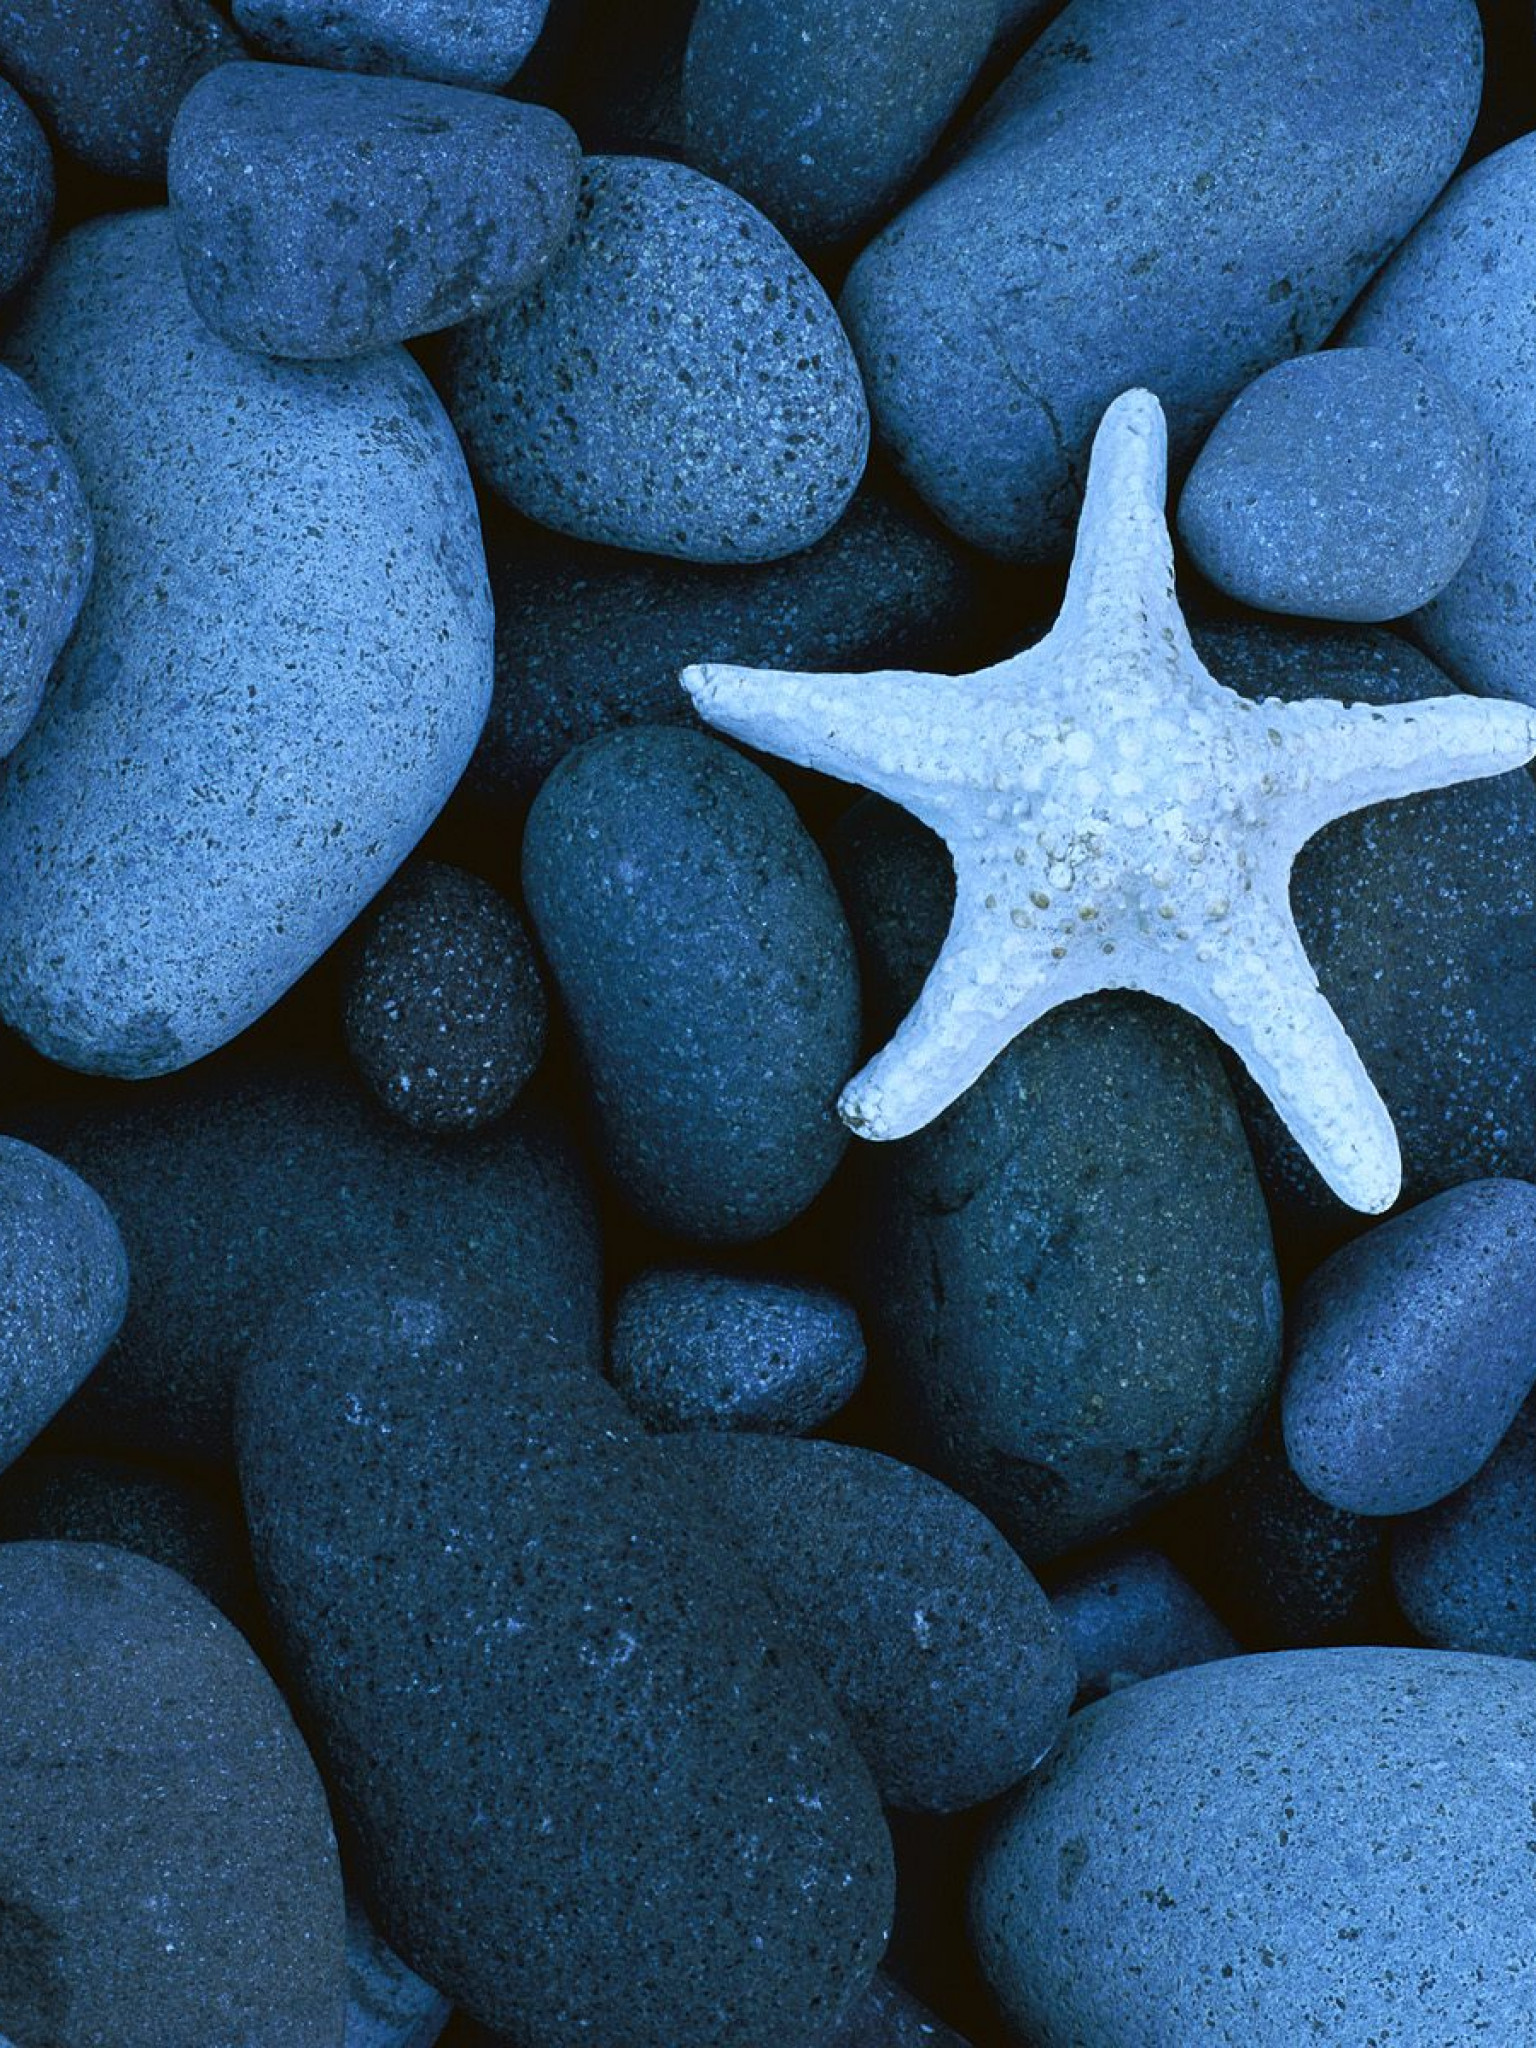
707	969
889	2017
1464	1571
1412	1350
388	2006
46	554
821	114
280	672
1319	1845
481	43
1068	1277
236	1189
1131	1615
108	75
1345	485
939	1648
63	1288
320	214
594	1797
26	190
588	638
167	1867
695	1348
1128	211
1456	300
445	1012
1420	919
676	382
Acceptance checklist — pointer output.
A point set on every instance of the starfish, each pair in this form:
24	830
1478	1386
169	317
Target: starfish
1117	818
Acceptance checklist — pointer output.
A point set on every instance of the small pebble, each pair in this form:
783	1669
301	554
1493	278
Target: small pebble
26	191
47	550
890	2017
1131	1615
1464	1571
388	2006
482	44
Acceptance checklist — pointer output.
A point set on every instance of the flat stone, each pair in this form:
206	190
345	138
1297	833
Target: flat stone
26	191
482	43
1464	1571
47	551
1132	1615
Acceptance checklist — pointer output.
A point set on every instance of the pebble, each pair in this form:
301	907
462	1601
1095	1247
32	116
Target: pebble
1132	1615
676	382
937	1645
821	114
595	1797
589	638
1464	1571
697	1348
321	214
1129	210
63	1289
26	191
1412	1350
280	672
481	44
171	1871
1455	300
47	550
388	2006
1316	1845
445	1011
1350	484
108	75
890	2017
236	1189
1067	1280
706	967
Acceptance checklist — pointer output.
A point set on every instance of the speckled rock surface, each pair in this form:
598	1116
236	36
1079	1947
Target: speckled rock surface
26	190
388	2006
1344	485
1464	1571
889	2017
592	638
46	554
482	43
1412	1350
236	1189
166	1858
63	1288
676	382
938	1646
1455	300
821	114
1127	212
280	672
697	1348
1251	1849
108	75
1076	1304
1132	1615
595	1798
320	214
707	969
446	1016
1418	917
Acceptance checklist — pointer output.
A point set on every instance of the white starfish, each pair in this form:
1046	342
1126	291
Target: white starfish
1119	819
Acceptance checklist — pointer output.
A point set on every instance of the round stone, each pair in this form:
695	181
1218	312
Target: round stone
388	2006
481	44
26	191
47	550
1132	1615
1464	1571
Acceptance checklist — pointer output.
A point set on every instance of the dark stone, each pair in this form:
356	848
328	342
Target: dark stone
1131	1615
388	2006
446	1016
481	44
1464	1571
889	2017
46	553
26	191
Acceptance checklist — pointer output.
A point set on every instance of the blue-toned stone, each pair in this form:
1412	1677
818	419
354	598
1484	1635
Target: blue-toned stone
1132	1615
280	672
1270	1850
388	2006
1456	300
706	966
319	214
63	1288
595	1796
479	43
889	2017
676	382
695	1348
1412	1350
1345	485
108	75
46	553
1464	1571
821	114
170	1870
940	1649
26	190
1129	211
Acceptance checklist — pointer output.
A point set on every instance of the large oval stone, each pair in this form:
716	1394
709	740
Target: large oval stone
279	674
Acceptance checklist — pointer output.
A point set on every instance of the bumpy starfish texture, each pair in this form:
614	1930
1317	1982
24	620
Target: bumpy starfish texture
1117	818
